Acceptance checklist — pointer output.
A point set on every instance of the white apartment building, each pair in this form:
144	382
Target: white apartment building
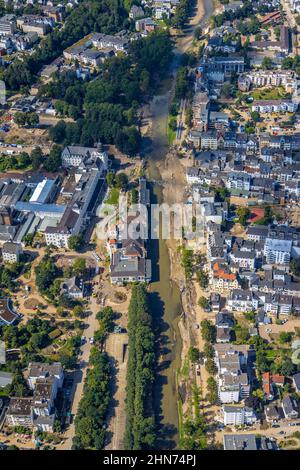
261	78
274	106
277	251
233	382
234	415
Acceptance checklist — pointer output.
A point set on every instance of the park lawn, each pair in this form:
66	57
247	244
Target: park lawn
113	197
268	93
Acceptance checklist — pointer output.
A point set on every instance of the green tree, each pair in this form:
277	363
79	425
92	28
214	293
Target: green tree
53	162
267	63
75	242
243	214
203	302
121	181
212	389
202	278
208	350
79	267
36	158
208	331
194	354
285	337
110	179
210	366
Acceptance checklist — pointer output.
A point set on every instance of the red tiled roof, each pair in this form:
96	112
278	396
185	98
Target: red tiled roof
220	273
266	383
278	379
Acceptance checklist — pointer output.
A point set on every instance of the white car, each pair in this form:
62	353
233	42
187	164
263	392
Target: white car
92	340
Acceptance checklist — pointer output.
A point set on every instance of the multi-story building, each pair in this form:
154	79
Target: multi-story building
37	412
39	371
244	259
221	278
75	155
257	233
11	252
129	263
20	412
232	364
262	78
243	300
235	415
238	181
76	216
275	106
209	140
225	64
8	25
277	251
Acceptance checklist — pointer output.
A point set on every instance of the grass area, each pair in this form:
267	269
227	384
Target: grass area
113	197
184	371
170	133
269	93
180	418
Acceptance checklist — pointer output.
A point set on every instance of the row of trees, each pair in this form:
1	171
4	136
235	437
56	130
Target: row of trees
140	426
34	160
26	119
90	427
182	12
194	427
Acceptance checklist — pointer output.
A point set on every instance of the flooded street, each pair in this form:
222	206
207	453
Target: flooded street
165	294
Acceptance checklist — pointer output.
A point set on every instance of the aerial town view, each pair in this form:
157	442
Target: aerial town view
149	226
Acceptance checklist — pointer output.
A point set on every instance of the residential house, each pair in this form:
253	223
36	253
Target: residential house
73	287
290	407
272	414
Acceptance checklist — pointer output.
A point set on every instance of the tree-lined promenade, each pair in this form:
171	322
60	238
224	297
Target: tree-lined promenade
140	424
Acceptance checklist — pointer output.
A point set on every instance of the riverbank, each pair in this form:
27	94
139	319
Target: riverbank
170	297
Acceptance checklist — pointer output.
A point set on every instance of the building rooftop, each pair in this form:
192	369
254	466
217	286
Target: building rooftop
240	442
7	316
6	378
20	406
